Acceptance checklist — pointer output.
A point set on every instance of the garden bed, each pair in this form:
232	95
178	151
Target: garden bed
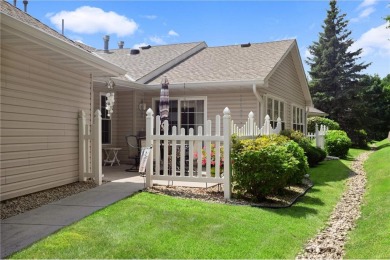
287	197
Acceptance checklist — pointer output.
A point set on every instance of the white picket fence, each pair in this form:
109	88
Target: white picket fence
319	135
250	128
90	148
181	147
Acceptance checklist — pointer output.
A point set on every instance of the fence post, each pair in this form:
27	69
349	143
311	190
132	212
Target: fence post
226	153
267	125
251	123
278	126
97	147
149	133
81	145
317	136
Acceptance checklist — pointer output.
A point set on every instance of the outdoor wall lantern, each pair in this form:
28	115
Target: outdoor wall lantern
142	106
110	97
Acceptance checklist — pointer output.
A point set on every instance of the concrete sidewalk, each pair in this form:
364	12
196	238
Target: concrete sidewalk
24	229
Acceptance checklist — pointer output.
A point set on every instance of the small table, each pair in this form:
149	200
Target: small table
111	155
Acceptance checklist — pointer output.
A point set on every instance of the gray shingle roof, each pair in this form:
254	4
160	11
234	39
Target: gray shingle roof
147	60
228	63
9	9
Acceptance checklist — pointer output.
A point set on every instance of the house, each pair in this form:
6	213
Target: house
45	80
266	78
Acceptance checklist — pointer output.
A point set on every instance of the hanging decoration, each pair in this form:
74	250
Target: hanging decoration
110	97
164	100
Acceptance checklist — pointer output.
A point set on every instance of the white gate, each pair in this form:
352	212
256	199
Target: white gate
90	148
181	155
250	128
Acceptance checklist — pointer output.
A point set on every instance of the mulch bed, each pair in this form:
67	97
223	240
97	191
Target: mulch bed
287	197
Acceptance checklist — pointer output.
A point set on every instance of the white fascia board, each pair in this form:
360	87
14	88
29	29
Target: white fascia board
172	63
301	74
209	85
223	85
42	38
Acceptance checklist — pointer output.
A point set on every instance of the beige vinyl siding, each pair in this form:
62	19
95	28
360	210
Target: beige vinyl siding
284	84
40	102
239	103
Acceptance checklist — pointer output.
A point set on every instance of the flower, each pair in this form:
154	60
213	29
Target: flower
212	156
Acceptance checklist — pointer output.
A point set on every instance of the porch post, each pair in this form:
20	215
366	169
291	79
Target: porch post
227	186
97	148
149	143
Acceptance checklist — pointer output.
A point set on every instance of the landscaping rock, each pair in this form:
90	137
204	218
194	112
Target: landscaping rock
329	243
22	204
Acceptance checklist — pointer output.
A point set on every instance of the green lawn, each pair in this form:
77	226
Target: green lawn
156	226
371	238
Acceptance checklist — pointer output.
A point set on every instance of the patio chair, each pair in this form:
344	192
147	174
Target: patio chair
134	152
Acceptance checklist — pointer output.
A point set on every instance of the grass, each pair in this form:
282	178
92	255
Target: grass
371	238
157	226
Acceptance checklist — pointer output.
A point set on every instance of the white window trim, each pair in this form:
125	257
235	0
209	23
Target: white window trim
278	99
110	119
179	99
303	117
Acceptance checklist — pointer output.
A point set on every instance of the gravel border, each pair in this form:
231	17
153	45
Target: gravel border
329	243
18	205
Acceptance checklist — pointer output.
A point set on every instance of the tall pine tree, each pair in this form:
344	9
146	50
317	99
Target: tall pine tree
334	70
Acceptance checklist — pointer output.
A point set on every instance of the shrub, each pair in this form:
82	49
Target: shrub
314	155
265	165
337	143
359	138
312	121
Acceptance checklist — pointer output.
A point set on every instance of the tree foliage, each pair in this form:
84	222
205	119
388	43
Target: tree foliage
335	71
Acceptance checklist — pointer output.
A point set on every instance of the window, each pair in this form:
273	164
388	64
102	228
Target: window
298	118
275	109
106	120
185	113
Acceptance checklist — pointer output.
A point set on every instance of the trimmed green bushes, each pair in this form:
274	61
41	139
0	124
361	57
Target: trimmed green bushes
312	121
266	164
337	143
314	155
359	138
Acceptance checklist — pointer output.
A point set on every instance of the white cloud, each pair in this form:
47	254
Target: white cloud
91	20
173	33
157	40
139	45
363	14
374	42
367	3
150	17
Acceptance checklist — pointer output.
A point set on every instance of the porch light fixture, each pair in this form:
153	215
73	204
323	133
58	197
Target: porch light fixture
110	97
142	106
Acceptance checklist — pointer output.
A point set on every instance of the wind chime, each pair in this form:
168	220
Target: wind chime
110	97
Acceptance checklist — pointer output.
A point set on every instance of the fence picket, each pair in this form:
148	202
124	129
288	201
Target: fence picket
217	146
199	152
174	147
191	154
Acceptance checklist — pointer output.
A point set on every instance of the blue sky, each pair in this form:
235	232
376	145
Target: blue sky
218	23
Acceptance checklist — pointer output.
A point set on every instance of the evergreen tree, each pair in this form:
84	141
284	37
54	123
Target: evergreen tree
335	72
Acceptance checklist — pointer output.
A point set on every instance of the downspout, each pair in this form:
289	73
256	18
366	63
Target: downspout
260	100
